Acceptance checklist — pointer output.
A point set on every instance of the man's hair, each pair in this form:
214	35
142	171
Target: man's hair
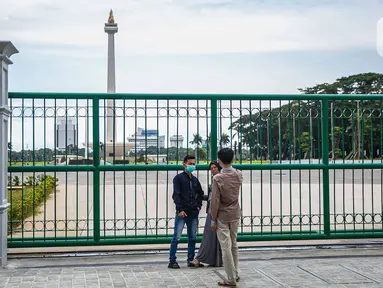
226	155
188	157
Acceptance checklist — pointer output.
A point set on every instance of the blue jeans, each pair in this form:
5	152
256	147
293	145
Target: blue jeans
179	224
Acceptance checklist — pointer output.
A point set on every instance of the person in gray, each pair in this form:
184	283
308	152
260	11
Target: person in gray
226	213
209	251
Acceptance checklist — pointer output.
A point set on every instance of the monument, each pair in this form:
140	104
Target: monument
113	149
111	29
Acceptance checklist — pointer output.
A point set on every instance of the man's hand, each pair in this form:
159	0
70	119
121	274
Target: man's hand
182	214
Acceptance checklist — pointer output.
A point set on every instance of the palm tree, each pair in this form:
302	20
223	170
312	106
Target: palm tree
225	140
197	141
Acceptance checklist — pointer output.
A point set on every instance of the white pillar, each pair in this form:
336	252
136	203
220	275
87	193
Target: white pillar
6	51
111	29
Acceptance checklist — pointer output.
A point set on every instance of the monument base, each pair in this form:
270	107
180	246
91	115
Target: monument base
116	151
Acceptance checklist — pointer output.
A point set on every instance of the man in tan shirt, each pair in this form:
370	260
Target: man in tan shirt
226	213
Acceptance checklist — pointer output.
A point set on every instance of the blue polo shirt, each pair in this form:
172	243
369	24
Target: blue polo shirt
187	194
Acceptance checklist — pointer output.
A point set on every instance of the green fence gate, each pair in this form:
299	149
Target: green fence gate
312	165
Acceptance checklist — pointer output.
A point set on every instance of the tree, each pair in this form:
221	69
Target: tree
225	140
286	132
304	139
197	140
235	150
202	153
338	131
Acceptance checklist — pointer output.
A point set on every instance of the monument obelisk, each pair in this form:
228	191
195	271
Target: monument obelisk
111	29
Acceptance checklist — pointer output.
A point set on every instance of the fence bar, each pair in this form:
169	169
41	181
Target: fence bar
121	96
166	240
214	127
96	173
326	174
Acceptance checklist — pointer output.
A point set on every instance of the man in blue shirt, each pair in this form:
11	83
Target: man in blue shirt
187	196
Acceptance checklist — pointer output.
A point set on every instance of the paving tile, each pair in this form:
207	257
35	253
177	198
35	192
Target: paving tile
318	272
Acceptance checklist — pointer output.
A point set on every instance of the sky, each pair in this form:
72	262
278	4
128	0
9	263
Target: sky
191	46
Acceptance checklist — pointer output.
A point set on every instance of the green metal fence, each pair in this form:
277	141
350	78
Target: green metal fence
312	164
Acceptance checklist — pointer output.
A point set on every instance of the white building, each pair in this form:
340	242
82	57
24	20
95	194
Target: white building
66	132
144	139
176	141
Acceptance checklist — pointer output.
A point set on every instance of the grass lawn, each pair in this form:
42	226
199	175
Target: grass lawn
40	163
25	203
235	162
27	163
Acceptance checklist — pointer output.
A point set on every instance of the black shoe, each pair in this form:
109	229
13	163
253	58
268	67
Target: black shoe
237	279
174	265
192	265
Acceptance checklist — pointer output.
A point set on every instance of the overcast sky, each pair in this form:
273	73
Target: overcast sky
190	46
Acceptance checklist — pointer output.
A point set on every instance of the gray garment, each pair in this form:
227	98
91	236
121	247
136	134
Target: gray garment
227	235
209	251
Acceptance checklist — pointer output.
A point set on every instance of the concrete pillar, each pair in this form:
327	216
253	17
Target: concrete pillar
111	29
6	51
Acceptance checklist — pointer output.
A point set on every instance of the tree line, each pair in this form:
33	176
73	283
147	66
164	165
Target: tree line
297	135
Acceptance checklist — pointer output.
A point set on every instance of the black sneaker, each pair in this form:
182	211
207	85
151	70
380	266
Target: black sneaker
174	265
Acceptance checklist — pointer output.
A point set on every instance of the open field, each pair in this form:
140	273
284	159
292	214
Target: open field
140	203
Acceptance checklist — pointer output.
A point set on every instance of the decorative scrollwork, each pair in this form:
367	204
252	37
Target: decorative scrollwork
143	225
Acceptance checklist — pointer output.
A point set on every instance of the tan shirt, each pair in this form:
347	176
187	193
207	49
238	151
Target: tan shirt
225	196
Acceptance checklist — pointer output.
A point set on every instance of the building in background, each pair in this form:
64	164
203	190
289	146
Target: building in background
176	141
66	132
144	139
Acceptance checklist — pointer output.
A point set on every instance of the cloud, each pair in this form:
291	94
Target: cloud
191	26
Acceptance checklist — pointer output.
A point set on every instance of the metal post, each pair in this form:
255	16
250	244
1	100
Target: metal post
213	128
96	174
6	51
311	132
268	138
332	133
280	140
358	125
294	143
326	174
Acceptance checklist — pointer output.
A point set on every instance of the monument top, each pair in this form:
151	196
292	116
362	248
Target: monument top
111	18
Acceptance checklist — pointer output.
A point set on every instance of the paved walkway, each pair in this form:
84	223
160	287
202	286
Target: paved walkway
356	267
